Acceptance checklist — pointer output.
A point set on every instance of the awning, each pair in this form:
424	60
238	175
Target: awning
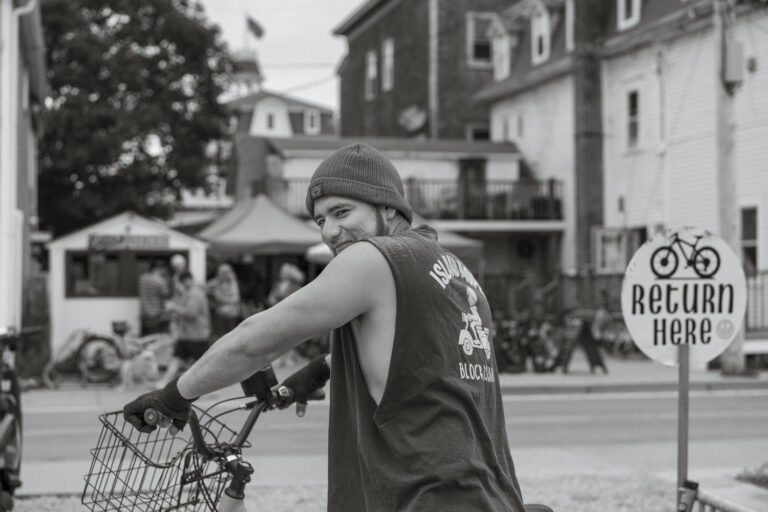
258	226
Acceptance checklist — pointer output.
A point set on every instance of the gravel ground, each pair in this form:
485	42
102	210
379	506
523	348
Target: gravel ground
625	493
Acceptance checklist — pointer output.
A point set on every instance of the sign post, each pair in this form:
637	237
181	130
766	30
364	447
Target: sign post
684	297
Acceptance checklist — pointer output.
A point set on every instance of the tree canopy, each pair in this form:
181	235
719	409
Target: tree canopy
133	107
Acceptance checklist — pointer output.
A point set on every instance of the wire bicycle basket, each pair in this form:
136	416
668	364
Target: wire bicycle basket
156	471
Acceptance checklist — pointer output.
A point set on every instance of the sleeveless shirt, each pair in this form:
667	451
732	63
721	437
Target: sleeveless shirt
437	439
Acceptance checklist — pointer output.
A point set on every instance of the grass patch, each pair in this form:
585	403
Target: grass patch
757	476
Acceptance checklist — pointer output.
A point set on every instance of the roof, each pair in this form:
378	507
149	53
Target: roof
392	144
357	16
523	73
258	226
124	218
247	102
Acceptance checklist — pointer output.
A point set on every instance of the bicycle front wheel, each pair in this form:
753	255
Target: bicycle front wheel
706	262
664	262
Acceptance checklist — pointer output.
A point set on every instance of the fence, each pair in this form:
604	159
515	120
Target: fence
705	502
757	303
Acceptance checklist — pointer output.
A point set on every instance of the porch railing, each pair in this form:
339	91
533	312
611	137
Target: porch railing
447	199
705	502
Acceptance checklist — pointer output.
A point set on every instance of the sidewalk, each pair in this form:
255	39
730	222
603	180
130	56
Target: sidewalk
633	374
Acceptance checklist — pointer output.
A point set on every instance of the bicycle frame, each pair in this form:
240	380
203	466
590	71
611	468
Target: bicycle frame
688	257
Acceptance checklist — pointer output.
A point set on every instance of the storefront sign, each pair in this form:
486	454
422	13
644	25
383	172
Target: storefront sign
684	288
122	242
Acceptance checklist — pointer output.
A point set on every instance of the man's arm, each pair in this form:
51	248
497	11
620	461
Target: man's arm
346	289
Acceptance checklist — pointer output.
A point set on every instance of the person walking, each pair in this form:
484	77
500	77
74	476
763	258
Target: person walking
153	292
224	293
193	323
416	415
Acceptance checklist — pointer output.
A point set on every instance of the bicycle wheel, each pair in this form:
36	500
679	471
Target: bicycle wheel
12	450
98	359
706	262
664	261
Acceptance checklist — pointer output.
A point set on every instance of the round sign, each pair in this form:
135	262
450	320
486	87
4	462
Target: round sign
688	288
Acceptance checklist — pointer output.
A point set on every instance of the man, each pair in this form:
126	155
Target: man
193	320
416	417
153	292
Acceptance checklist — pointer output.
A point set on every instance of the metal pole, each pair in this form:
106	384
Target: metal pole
682	414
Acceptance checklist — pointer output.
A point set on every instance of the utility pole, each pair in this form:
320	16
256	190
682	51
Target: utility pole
729	69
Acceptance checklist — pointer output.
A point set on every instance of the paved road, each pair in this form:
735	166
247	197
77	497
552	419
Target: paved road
590	421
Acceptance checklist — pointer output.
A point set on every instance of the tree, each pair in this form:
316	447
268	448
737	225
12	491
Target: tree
133	106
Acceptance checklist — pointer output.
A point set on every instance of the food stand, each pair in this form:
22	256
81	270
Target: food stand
94	272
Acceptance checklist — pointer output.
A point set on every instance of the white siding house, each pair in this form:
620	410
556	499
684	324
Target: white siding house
661	161
540	122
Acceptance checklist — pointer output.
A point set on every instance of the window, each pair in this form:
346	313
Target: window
749	240
614	247
540	35
270	120
628	13
502	58
370	75
633	119
388	64
479	132
311	122
108	273
569	22
520	126
479	39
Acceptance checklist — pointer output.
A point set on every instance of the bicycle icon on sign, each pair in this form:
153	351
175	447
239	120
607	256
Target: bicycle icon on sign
704	260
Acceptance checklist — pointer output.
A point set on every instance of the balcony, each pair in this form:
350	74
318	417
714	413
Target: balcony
452	200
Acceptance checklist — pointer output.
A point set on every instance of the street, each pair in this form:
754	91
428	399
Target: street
549	434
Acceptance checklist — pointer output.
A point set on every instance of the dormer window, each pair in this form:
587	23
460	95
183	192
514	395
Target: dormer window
628	13
541	36
479	40
311	122
370	75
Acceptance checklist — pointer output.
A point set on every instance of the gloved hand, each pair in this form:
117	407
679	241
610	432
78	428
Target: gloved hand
305	384
167	401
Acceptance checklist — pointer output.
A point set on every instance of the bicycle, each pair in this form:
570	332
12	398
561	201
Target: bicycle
172	471
11	441
704	260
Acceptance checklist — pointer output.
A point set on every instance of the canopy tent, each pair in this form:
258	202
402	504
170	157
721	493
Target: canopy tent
258	226
467	249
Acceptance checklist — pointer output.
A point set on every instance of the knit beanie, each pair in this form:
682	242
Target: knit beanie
360	172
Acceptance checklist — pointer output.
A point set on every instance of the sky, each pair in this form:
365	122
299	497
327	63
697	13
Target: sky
298	52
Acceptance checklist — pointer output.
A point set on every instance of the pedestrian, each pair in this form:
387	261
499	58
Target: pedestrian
193	323
224	293
153	292
289	279
416	415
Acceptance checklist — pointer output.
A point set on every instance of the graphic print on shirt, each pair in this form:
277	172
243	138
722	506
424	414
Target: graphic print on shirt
474	335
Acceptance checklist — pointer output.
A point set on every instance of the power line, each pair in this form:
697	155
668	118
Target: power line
309	85
287	65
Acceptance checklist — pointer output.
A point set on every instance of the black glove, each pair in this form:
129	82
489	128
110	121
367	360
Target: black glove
305	384
167	401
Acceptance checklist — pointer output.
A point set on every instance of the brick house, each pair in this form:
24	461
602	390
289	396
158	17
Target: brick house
412	65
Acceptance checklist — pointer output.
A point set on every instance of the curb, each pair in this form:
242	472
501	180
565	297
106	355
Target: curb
541	389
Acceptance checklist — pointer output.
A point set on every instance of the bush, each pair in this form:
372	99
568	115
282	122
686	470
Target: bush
757	476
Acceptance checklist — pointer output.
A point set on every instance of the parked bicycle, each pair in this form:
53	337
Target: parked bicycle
704	260
11	440
165	470
92	357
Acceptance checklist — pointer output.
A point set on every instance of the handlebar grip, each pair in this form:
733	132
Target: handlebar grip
156	418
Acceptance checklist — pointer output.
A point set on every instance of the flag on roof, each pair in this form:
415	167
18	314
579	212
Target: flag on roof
254	27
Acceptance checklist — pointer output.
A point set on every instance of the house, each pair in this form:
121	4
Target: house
411	66
270	114
23	87
618	100
660	80
473	188
545	99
